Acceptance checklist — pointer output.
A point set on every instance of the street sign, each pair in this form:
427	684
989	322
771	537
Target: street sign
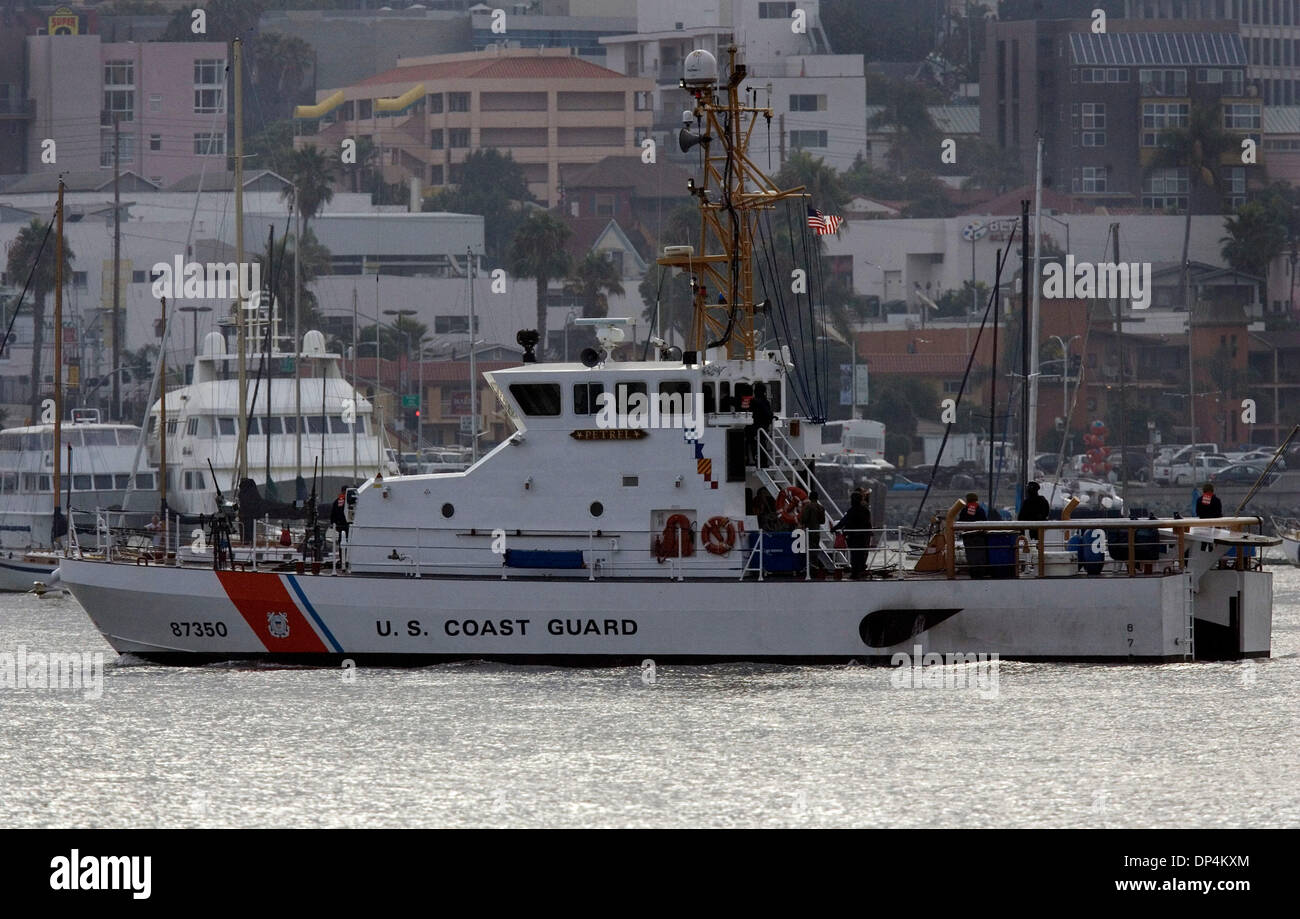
846	385
467	425
973	231
410	400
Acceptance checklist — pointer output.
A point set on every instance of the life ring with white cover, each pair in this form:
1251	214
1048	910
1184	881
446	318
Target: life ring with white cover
719	535
677	540
788	503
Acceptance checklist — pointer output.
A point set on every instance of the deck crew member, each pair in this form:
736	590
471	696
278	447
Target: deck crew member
761	410
1209	504
765	510
976	544
812	517
339	515
855	525
1034	507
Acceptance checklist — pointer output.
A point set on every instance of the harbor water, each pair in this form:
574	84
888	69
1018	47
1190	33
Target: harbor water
480	744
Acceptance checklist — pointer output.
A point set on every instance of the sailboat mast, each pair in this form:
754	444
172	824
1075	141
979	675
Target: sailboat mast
1034	325
473	373
58	351
297	341
162	416
241	465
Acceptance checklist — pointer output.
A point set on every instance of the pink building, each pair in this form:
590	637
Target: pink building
168	100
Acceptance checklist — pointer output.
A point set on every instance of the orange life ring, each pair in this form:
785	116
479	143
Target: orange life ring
788	503
672	544
719	535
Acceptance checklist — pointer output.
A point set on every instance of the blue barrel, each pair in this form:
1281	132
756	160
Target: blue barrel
1001	554
1082	545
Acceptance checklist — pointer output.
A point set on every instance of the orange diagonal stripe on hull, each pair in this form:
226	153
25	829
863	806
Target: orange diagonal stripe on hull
256	595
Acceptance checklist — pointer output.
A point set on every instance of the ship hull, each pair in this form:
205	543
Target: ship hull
191	615
17	575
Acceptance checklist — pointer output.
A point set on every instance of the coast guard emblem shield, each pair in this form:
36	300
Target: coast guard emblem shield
278	625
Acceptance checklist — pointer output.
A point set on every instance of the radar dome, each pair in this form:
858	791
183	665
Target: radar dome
313	344
214	344
700	69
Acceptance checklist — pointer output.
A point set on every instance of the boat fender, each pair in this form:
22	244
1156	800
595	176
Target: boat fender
719	535
788	503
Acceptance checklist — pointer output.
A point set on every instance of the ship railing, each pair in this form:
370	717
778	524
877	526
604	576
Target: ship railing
882	554
1036	547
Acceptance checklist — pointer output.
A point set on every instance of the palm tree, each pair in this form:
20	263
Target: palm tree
22	256
537	251
1255	237
915	135
312	171
593	280
821	182
1198	147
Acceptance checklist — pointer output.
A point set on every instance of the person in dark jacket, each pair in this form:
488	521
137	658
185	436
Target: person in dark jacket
339	512
855	524
1209	504
761	410
1034	507
973	511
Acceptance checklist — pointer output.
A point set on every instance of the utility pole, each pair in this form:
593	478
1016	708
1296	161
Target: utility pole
117	270
162	419
473	374
1026	423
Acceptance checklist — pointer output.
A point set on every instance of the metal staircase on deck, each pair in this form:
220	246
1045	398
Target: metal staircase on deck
780	466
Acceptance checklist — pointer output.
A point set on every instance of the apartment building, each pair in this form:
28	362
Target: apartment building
552	111
818	98
166	99
1270	33
1101	101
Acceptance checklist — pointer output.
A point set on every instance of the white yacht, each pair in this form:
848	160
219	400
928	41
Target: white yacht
98	479
319	421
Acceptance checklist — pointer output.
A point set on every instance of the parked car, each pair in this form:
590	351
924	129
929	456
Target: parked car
1197	470
1243	474
443	461
1262	457
903	483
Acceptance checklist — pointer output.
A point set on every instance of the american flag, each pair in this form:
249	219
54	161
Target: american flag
822	223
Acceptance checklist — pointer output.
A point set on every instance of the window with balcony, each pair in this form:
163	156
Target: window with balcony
1163	82
209	72
808	102
207	101
1165	189
119	73
126	149
1241	116
803	139
119	105
209	143
1160	116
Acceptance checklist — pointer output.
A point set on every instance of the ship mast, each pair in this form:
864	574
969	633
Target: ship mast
732	196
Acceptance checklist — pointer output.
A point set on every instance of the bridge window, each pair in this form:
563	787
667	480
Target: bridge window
315	424
675	404
338	425
586	398
81	483
103	482
144	480
290	424
226	427
537	398
272	424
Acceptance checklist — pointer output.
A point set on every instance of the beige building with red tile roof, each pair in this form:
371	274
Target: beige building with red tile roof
554	112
